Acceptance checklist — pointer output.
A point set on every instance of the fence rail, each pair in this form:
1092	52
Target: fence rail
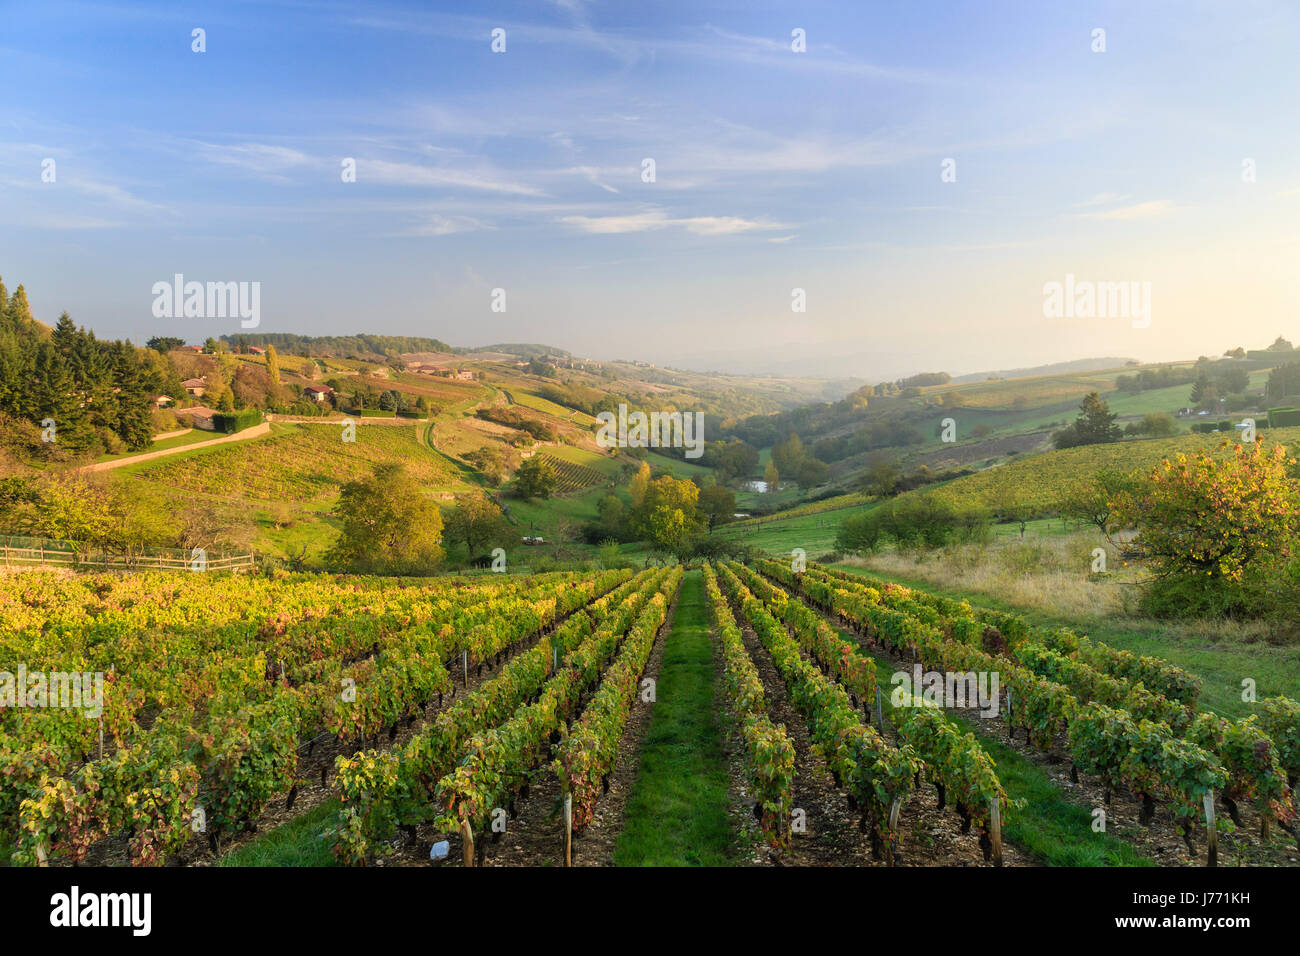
28	551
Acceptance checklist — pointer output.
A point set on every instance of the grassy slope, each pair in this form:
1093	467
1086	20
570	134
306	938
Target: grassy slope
676	814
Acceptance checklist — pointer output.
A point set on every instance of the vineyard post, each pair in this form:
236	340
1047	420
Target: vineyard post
40	855
995	829
568	829
1211	834
467	842
464	661
1008	707
880	712
894	809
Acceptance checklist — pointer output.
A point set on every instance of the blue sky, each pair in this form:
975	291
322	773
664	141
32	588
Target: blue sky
774	170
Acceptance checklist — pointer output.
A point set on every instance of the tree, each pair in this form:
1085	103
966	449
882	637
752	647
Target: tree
490	460
859	533
881	478
1279	344
812	472
718	505
771	476
477	521
389	524
535	478
165	343
1094	426
788	455
1095	498
611	517
639	484
1230	518
273	365
668	515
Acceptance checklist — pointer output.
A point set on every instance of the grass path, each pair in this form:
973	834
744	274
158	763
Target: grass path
676	814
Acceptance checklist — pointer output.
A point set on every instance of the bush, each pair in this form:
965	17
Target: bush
859	533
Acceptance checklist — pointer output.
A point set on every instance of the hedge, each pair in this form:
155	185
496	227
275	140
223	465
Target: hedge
236	421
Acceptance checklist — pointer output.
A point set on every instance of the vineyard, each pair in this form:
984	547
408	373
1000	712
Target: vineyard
302	463
1037	483
571	476
455	711
217	691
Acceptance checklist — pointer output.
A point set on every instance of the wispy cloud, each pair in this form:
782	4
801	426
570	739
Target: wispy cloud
410	174
1152	209
655	219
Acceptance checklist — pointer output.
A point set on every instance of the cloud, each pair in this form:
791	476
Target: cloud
409	174
262	159
655	219
1101	199
436	224
1152	209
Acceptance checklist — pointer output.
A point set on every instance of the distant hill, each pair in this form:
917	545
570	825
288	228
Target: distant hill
339	346
1056	368
523	350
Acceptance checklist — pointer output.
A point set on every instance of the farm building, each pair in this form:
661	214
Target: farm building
318	393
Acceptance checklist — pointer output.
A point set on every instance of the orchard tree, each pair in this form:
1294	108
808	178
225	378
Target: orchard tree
1227	518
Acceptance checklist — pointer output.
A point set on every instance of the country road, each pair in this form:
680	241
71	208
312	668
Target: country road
257	431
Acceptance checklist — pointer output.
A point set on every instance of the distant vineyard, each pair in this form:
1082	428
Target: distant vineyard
1037	482
572	476
307	464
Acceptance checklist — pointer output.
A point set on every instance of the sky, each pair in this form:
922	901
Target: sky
920	170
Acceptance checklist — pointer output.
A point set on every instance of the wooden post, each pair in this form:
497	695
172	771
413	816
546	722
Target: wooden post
880	711
568	829
1211	834
464	660
995	829
1008	706
40	855
894	810
467	842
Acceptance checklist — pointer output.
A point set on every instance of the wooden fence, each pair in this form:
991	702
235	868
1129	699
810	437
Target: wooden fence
19	552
